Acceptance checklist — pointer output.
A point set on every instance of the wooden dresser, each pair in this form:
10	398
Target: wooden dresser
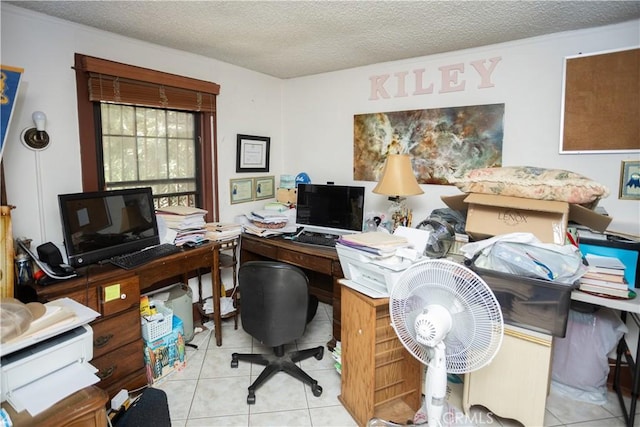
117	339
380	378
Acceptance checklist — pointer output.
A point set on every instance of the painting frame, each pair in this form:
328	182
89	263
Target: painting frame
588	127
629	180
240	190
264	187
252	153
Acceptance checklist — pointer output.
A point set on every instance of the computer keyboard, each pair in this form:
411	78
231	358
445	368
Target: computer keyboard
316	239
136	259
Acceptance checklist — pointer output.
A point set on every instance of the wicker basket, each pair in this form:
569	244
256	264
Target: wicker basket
271	225
158	328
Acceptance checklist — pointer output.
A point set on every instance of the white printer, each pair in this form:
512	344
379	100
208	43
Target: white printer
44	367
370	274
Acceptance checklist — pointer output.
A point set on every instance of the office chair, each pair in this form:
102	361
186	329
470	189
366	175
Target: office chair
275	303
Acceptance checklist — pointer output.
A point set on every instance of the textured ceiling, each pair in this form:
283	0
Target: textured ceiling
296	38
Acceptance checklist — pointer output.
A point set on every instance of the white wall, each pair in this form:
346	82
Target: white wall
318	113
308	119
249	103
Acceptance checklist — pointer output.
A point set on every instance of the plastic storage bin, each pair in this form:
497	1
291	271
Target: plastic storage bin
534	304
157	328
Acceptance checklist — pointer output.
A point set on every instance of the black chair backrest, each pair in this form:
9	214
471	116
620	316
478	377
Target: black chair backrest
274	298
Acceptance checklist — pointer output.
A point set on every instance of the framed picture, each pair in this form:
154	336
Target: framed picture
630	180
264	187
241	190
252	153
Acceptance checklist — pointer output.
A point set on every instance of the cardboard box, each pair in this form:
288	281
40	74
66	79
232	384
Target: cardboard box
491	215
166	354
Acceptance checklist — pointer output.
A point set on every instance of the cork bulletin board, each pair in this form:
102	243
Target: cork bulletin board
601	102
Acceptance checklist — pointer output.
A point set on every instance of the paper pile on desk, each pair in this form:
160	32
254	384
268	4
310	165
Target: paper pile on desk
267	223
186	224
222	230
376	242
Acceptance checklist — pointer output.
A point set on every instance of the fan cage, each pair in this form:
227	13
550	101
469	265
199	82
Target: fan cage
477	327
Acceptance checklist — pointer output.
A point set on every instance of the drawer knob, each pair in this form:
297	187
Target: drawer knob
102	340
123	296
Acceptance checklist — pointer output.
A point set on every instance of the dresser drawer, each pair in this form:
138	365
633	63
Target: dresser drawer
87	296
115	331
118	295
115	365
318	264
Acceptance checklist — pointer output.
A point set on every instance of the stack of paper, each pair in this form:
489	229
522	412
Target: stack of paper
266	217
187	222
267	232
376	242
222	230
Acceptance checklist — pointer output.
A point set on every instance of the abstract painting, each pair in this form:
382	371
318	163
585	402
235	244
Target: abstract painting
443	142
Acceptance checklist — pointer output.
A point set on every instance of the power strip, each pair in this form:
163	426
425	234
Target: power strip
119	399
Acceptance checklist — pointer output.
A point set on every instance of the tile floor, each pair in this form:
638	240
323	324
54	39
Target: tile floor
208	392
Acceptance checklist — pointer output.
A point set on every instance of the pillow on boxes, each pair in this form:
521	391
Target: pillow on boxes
533	183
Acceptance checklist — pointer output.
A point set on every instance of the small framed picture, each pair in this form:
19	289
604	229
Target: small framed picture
630	180
241	190
264	187
252	153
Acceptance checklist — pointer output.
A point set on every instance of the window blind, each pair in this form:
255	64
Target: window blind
110	81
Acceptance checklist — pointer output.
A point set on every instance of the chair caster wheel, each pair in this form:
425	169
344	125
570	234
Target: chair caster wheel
317	390
320	354
234	360
251	398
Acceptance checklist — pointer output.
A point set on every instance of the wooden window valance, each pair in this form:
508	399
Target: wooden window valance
110	81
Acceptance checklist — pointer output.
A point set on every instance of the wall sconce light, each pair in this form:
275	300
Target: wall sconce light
398	182
36	138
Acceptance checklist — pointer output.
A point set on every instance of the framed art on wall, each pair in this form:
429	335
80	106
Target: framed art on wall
443	143
264	187
630	180
241	190
252	153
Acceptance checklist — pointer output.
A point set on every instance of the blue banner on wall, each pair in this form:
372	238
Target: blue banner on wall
9	83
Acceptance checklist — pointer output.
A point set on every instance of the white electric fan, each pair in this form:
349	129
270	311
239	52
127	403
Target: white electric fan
449	319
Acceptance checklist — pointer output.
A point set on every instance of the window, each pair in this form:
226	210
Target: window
150	147
141	127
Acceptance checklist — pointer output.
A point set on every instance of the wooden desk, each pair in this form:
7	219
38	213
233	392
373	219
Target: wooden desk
117	345
84	408
321	265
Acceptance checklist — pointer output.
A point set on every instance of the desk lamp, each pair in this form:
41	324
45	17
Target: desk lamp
397	182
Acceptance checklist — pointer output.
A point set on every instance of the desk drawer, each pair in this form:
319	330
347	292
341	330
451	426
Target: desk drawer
87	296
119	363
116	331
175	266
119	295
266	250
320	265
